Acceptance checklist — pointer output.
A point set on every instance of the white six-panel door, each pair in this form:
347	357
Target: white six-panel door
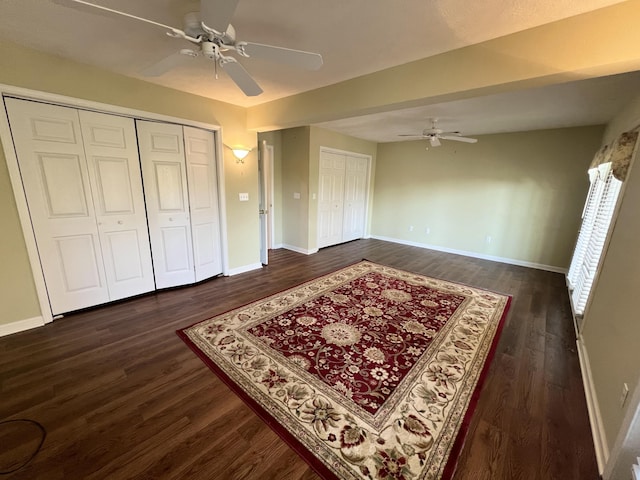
49	147
330	198
355	197
95	227
114	172
165	181
203	201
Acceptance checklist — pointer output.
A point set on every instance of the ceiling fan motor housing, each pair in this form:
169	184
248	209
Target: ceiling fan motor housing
210	50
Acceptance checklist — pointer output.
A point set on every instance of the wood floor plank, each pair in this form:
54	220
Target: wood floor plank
121	396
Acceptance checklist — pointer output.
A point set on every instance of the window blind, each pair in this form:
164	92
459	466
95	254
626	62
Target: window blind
597	217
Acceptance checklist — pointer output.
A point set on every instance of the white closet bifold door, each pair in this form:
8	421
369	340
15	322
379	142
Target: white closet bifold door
164	176
203	202
114	172
355	197
330	198
342	197
50	152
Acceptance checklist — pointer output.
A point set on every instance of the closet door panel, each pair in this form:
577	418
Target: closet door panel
49	147
165	182
355	193
203	200
116	181
330	198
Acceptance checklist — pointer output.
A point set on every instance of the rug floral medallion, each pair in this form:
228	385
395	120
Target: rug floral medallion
370	368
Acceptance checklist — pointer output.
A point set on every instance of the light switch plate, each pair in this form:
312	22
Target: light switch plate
244	197
296	195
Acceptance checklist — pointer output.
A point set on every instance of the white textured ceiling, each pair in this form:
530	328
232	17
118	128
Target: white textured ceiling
355	37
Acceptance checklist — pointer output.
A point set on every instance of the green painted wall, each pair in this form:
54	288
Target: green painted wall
295	180
30	69
299	174
611	330
524	190
18	298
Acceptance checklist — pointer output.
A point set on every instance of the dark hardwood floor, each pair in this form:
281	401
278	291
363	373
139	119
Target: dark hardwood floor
121	396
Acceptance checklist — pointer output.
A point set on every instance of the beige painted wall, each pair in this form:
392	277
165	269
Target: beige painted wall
321	137
524	190
30	69
611	329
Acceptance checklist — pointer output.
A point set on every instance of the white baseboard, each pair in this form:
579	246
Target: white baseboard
20	325
510	261
595	419
276	246
299	250
244	269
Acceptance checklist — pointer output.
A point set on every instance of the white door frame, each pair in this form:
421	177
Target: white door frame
265	180
270	200
16	181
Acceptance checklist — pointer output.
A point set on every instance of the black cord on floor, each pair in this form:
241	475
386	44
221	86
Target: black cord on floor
44	435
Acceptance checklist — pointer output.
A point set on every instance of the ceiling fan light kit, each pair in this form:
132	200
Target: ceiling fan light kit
210	30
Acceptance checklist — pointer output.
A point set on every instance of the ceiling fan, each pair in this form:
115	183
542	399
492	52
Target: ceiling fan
213	36
435	134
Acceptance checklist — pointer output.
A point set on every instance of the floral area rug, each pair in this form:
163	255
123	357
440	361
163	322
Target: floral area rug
368	372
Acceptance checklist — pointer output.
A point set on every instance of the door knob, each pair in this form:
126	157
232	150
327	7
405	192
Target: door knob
120	222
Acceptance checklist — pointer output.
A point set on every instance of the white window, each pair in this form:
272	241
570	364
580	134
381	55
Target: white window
596	219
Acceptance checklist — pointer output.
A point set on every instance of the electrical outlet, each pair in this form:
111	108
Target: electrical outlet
296	195
427	230
488	239
411	228
625	394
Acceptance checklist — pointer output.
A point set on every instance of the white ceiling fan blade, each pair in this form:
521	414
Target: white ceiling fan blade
216	14
110	12
410	135
434	141
172	61
459	139
297	58
241	77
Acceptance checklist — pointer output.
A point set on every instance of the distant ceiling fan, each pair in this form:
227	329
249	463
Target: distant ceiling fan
435	134
212	34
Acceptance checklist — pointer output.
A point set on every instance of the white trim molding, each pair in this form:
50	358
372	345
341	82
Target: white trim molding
510	261
245	269
299	250
595	419
21	325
